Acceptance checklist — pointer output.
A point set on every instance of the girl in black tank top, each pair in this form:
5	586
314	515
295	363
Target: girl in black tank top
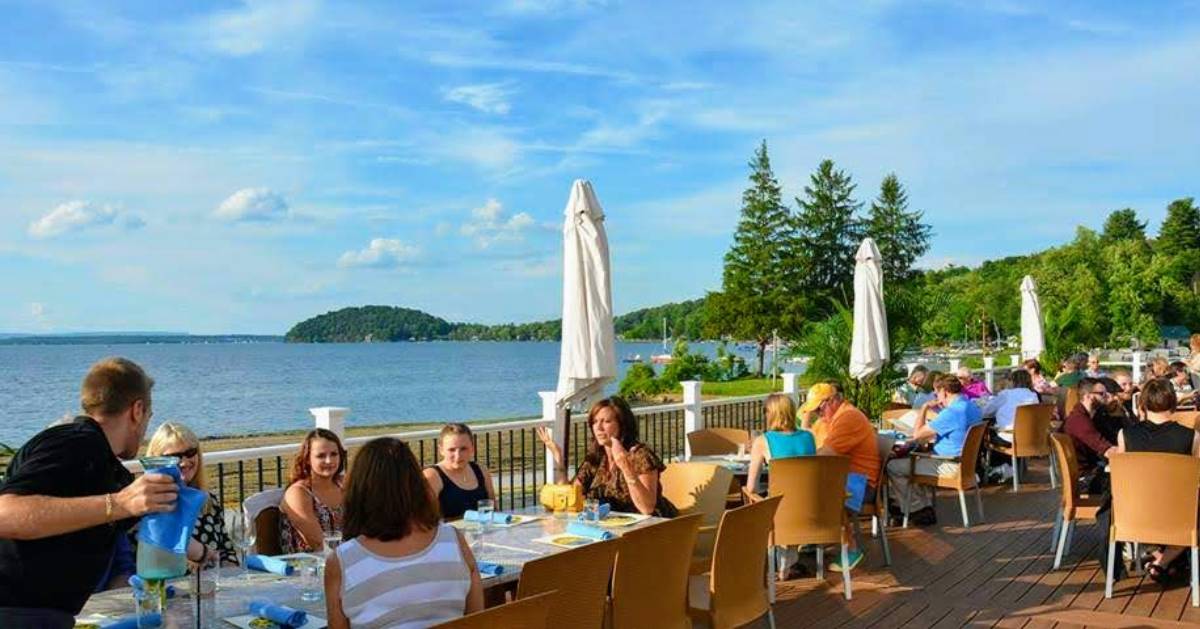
454	500
456	446
1169	437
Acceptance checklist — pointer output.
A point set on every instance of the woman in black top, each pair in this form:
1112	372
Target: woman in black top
457	480
1159	433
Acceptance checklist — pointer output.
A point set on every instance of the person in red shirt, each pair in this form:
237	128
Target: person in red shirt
1092	449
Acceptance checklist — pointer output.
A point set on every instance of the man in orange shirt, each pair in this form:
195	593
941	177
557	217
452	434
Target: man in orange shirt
842	429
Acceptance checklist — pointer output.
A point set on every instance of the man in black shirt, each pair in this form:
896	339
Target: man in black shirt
67	498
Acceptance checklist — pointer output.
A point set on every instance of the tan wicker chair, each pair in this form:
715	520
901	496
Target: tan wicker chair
1074	506
962	481
1030	431
580	575
698	488
875	507
813	489
710	441
1186	418
528	613
735	591
1154	500
650	579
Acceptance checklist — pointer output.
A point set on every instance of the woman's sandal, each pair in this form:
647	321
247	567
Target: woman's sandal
1158	572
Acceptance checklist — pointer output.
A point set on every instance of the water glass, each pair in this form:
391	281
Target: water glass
147	607
244	537
485	508
206	594
310	581
741	451
332	540
591	510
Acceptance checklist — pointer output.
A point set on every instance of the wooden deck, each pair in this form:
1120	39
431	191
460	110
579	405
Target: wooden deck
996	574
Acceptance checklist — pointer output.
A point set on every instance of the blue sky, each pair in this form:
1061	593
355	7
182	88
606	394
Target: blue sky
239	166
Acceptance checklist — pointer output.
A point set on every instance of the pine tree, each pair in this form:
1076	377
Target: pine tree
899	233
1180	230
829	234
1123	225
760	286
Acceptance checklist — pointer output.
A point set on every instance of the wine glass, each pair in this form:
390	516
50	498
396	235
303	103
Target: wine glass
243	537
332	540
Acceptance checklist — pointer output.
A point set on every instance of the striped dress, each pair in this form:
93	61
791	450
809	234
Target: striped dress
423	589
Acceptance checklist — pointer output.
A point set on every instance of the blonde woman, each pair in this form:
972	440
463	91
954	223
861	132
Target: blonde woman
781	440
172	439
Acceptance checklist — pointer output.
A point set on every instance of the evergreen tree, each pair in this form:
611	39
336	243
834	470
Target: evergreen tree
899	233
1123	225
1180	230
829	234
760	285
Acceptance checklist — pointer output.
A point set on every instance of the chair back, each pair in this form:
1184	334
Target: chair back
697	488
262	509
813	489
1071	398
738	582
970	454
1186	418
1155	497
884	445
527	613
710	441
1030	428
1064	454
581	576
650	579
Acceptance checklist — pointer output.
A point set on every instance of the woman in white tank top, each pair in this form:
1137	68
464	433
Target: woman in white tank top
399	567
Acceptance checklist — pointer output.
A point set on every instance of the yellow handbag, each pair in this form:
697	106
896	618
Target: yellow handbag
562	497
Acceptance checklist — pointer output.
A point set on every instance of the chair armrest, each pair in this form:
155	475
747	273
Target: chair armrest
936	457
707	528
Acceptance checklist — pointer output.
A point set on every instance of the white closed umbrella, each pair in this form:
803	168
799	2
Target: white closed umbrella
588	358
1033	341
869	348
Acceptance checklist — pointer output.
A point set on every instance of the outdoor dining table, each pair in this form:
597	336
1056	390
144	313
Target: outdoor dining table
739	465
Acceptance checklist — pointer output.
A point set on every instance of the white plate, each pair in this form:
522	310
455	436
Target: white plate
247	622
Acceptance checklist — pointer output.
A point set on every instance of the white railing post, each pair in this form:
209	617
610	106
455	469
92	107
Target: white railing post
1016	360
791	385
550	414
910	367
1137	367
332	418
989	372
693	413
954	363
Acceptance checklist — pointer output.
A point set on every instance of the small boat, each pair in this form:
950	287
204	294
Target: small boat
661	359
632	358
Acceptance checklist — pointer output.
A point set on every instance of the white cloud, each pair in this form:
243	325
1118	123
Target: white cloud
381	253
533	268
253	205
78	215
485	147
490	98
258	24
37	309
488	225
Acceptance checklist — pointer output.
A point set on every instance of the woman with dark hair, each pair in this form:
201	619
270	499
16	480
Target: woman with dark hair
618	469
399	565
312	504
457	480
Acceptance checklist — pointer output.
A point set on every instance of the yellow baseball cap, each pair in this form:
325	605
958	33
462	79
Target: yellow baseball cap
817	393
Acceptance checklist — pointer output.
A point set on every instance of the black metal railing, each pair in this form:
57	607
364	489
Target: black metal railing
745	414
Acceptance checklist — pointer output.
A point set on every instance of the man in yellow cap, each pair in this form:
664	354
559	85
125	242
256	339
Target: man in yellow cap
842	429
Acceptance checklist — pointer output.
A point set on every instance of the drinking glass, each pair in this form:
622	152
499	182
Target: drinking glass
332	540
591	510
147	607
243	537
741	451
310	580
486	508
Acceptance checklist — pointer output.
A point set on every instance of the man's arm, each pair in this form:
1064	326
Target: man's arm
37	517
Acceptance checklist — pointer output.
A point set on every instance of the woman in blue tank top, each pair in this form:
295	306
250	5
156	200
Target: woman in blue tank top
782	439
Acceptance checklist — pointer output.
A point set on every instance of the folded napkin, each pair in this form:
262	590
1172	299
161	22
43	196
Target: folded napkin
139	584
281	614
497	517
172	530
131	622
489	569
589	531
602	512
266	563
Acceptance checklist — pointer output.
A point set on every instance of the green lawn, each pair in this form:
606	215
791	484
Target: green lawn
749	386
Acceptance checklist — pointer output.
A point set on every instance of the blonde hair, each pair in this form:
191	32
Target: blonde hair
781	412
172	433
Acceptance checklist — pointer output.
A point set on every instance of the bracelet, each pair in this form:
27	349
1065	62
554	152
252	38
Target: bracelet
108	508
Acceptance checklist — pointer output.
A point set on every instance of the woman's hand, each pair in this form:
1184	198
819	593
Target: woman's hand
551	445
621	457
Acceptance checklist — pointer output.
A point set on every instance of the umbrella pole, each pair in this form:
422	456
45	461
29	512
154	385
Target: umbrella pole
566	442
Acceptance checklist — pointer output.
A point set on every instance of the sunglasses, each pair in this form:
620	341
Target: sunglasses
185	454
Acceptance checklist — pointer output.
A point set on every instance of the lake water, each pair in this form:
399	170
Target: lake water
232	389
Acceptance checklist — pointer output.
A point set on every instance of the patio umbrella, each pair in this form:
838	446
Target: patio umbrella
1032	340
869	346
588	358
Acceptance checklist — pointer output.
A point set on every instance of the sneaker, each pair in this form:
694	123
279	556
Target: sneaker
1006	473
854	558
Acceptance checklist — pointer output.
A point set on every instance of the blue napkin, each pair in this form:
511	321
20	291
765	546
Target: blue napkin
139	584
602	512
266	563
489	569
171	531
130	622
587	530
498	517
856	491
281	614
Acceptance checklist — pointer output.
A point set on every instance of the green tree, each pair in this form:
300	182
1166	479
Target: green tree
829	234
760	284
1123	225
899	233
1180	230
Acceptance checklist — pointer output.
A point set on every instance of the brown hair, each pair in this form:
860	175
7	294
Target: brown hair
455	429
1033	365
781	412
626	421
302	464
950	384
387	498
112	385
1158	396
